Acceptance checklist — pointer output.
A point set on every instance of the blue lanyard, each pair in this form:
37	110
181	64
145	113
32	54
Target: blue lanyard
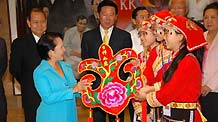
162	58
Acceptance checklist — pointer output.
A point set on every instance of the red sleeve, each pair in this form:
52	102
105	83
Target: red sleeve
148	72
185	84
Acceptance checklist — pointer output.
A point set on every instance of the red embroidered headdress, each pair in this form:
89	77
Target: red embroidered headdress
192	32
159	19
147	25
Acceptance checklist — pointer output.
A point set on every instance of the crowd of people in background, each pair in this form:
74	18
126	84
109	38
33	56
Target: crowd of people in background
177	49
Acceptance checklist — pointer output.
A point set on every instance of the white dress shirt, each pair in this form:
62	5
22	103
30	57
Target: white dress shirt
136	42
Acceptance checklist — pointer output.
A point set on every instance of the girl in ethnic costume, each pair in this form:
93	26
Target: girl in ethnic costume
159	58
179	90
148	41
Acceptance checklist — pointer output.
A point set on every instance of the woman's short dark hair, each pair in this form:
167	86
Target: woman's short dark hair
107	3
47	43
81	17
213	5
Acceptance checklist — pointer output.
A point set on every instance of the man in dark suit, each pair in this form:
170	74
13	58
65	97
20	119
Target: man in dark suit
3	66
25	58
93	19
117	39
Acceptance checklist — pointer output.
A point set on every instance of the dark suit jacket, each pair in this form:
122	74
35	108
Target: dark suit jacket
3	66
3	57
92	40
24	59
92	22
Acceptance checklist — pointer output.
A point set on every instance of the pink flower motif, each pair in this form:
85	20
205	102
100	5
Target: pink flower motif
119	57
133	68
129	52
87	100
113	95
138	84
94	65
83	66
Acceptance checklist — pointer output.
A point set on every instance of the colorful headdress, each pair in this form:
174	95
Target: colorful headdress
147	25
159	19
192	32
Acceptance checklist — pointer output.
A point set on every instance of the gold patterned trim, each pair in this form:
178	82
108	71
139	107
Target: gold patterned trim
196	105
183	105
137	107
157	86
152	100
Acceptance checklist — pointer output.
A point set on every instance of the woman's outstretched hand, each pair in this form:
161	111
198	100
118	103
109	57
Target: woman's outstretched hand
81	85
141	93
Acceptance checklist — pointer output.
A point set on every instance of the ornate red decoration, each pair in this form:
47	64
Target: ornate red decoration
113	94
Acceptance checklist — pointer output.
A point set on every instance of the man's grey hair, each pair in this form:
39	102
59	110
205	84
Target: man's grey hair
186	1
